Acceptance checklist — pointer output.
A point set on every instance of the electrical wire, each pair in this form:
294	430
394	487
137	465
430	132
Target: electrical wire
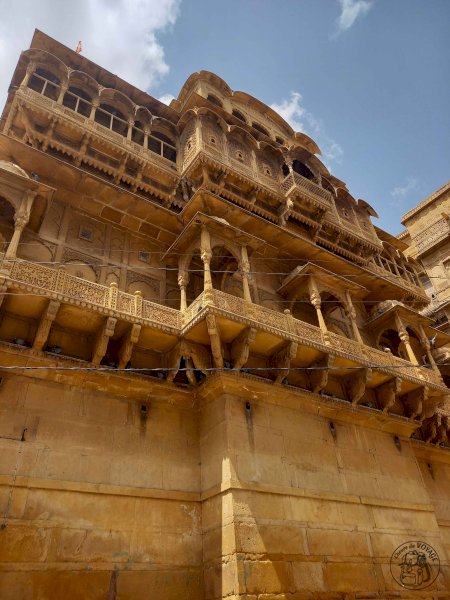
149	268
209	369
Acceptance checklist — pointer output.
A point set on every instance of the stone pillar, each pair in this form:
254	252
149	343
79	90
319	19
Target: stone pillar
95	105
314	296
62	90
351	315
426	344
20	220
404	336
29	72
206	254
146	134
245	269
183	280
130	128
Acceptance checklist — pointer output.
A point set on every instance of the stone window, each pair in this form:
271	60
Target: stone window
239	116
214	100
144	256
85	233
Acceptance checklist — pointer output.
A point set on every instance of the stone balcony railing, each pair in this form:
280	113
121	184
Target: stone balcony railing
42	103
262	318
68	288
432	235
418	291
58	284
295	184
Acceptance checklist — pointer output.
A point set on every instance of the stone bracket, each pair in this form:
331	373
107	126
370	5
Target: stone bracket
387	393
128	343
196	356
240	348
216	343
101	343
47	318
282	360
318	379
356	383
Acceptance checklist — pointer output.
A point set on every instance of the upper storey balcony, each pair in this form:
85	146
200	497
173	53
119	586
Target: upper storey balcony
99	130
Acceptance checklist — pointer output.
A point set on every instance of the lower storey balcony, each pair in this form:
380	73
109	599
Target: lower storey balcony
51	318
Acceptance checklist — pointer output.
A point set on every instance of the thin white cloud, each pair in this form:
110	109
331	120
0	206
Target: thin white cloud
401	192
166	98
300	119
351	10
119	35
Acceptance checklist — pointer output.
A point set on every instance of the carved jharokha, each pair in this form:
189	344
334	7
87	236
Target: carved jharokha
192	257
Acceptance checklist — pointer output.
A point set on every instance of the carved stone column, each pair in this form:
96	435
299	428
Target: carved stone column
404	336
95	105
130	128
351	315
317	303
183	280
21	218
206	255
245	270
62	90
426	344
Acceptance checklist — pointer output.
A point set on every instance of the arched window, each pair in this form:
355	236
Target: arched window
239	116
214	100
78	100
137	133
302	169
161	144
279	140
260	128
112	118
45	83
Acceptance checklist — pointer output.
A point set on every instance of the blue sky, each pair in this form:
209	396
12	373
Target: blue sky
367	79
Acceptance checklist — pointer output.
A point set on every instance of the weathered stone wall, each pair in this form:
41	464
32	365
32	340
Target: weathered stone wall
306	512
96	488
216	500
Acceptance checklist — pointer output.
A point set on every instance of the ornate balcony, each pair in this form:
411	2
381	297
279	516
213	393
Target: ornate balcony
280	340
310	202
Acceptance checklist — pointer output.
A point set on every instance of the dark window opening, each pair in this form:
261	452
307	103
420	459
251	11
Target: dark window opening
113	119
137	133
44	83
239	116
161	144
214	100
279	140
260	128
285	170
78	100
302	169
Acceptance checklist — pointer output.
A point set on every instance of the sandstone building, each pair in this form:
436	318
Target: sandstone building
216	379
427	234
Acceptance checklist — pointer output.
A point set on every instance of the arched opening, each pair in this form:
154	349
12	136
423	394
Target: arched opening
303	310
137	133
239	116
196	278
162	144
334	314
112	118
261	129
44	82
214	100
78	100
302	169
6	223
417	348
285	170
390	340
225	272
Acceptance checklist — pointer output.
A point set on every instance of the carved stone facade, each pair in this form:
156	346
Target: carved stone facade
217	381
427	234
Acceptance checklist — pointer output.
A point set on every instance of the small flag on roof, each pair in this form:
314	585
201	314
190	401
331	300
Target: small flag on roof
79	48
